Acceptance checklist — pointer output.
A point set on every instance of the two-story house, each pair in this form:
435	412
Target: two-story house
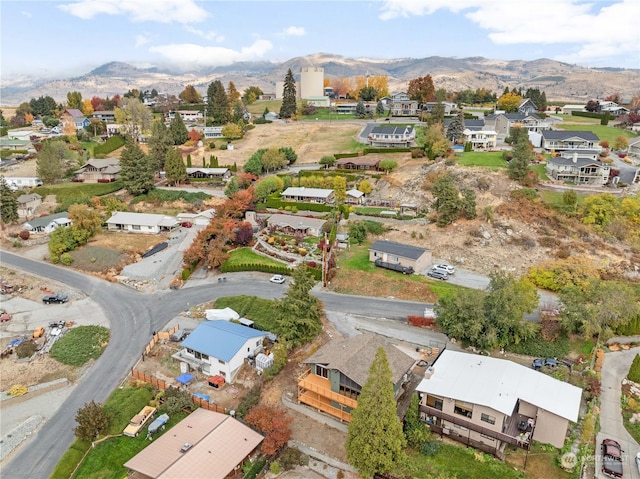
188	116
219	348
527	107
27	204
108	116
577	169
480	140
403	105
488	403
502	123
95	170
392	136
338	371
561	140
73	120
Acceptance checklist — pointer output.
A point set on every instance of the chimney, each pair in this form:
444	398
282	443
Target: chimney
429	372
575	156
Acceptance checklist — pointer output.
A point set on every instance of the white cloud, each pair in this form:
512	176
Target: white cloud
142	39
26	14
188	55
583	29
293	32
163	11
208	35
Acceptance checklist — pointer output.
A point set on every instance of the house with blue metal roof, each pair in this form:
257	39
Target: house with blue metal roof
219	348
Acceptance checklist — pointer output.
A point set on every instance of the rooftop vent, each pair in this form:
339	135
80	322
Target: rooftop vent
186	447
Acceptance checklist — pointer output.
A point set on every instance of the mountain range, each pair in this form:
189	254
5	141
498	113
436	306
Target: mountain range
560	81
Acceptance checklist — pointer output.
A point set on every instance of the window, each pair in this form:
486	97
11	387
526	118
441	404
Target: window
223	374
322	371
488	437
221	361
135	227
487	418
434	402
463	408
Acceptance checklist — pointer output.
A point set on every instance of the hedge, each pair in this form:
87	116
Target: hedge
346	155
348	174
386	150
112	144
589	114
264	268
279	204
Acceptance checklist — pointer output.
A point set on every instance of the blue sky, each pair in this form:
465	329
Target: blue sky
69	38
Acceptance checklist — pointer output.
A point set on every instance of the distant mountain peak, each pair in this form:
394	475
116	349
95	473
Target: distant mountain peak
114	68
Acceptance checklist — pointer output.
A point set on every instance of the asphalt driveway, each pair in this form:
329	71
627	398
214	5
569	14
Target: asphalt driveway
615	368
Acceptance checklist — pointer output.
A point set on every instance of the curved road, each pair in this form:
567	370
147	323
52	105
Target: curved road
133	317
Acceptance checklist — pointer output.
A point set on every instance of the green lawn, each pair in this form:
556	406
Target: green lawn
541	170
554	198
607	133
258	310
577	119
80	345
487	159
68	193
248	256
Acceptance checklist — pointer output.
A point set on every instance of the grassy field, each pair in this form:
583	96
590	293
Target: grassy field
541	170
487	159
577	119
96	259
607	133
77	192
258	310
80	345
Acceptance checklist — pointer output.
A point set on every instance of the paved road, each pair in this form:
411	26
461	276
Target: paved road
133	317
615	368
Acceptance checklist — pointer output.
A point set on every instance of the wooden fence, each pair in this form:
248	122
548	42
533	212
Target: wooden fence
158	336
163	386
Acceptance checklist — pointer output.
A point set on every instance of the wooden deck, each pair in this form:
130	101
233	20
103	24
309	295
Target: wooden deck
315	391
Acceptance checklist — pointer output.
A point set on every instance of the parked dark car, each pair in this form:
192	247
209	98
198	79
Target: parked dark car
611	458
179	335
55	298
538	363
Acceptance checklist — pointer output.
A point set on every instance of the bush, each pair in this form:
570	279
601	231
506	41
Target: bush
250	400
24	235
634	371
112	144
26	349
430	448
537	346
66	259
292	457
274	467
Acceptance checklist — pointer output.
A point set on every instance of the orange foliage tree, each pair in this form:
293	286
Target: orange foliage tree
342	85
273	423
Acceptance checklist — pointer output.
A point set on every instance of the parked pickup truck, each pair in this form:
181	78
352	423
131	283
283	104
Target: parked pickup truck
138	421
611	458
395	267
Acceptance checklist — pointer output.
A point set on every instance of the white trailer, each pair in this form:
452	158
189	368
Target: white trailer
20	183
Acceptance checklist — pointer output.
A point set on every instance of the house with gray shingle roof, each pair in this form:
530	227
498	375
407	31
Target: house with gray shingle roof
27	204
338	371
292	224
99	170
578	170
398	253
560	140
392	136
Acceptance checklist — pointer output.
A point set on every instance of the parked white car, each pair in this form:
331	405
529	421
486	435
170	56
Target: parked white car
277	278
445	268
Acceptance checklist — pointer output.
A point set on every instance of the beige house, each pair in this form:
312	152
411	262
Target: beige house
392	136
308	195
99	171
146	223
358	163
223	174
480	140
488	403
502	123
292	224
402	105
204	444
402	254
27	204
339	370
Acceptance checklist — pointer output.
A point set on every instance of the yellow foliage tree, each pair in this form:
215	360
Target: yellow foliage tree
87	107
509	102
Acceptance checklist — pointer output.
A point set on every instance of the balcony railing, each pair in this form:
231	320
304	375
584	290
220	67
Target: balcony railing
457	420
322	387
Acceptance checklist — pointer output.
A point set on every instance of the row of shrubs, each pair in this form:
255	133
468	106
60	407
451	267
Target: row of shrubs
280	204
265	268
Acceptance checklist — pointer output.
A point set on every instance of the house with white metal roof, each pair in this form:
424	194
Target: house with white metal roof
140	222
308	195
219	348
489	402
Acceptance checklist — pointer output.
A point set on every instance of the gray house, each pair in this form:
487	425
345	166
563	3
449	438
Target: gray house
398	253
560	140
27	204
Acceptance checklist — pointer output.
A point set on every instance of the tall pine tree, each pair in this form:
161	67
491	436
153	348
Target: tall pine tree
8	202
375	441
178	130
174	166
218	109
289	107
159	143
522	155
136	169
456	127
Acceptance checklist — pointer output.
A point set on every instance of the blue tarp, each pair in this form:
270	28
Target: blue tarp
205	397
184	378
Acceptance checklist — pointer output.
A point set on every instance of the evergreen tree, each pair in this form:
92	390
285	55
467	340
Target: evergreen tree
519	164
254	163
375	442
213	161
456	128
178	130
299	313
136	169
447	202
189	165
634	370
437	115
468	204
8	202
379	108
232	93
218	109
361	111
159	143
289	107
174	166
416	431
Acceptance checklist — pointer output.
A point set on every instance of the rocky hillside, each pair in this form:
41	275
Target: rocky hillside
560	81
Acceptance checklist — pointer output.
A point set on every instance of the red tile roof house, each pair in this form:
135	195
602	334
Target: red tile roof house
205	444
488	403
